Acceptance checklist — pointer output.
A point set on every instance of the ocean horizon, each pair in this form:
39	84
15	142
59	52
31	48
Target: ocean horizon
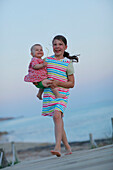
94	118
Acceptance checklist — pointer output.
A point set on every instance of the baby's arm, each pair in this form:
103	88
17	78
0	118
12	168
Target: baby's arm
38	66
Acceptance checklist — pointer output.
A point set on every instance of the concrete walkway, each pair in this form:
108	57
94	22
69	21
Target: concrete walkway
94	159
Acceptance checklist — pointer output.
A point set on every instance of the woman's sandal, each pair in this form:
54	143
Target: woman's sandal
57	153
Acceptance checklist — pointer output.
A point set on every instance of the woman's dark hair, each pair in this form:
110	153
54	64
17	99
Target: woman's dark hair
74	58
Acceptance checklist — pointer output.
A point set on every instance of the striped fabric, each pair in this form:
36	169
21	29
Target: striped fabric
56	70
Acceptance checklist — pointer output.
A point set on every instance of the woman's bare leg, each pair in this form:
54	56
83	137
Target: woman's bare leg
64	139
58	133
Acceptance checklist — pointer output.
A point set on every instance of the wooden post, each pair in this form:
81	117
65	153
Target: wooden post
92	142
3	161
15	159
112	128
1	156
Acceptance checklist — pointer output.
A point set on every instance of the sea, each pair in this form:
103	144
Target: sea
78	123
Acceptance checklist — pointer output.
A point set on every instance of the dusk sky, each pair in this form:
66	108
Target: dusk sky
88	27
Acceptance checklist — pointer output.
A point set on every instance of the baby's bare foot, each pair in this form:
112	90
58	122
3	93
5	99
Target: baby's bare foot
39	96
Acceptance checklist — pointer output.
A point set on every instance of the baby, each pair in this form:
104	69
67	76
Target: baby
37	72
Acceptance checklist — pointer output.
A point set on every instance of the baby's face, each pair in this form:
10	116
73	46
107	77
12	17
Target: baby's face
38	51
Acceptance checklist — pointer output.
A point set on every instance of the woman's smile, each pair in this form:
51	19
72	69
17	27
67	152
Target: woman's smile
59	47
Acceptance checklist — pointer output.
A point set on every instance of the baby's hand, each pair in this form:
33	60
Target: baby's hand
45	64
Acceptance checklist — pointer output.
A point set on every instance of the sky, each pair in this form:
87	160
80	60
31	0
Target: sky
88	27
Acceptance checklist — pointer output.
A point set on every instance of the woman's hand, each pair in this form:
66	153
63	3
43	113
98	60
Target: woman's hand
69	84
54	84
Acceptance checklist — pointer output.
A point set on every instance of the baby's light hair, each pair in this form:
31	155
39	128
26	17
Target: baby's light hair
33	50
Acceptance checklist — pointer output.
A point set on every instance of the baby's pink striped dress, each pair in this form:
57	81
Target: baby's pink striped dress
56	70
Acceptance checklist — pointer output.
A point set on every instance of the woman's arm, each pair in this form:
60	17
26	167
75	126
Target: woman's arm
69	84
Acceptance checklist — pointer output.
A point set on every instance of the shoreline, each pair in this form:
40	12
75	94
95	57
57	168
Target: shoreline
6	118
9	118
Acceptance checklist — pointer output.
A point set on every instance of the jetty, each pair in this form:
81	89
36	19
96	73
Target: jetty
100	158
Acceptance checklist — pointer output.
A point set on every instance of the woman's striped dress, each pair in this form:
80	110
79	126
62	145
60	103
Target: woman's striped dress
56	70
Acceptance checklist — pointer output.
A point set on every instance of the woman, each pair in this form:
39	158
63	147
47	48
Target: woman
60	70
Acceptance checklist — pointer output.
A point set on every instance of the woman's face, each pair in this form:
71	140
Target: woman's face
59	47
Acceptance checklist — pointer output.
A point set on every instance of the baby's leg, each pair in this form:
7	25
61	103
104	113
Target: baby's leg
57	94
39	95
48	83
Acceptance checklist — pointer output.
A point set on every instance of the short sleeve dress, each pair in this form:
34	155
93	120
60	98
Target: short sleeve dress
57	69
33	74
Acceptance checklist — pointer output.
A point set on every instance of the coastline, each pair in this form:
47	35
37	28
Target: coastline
6	118
3	134
32	151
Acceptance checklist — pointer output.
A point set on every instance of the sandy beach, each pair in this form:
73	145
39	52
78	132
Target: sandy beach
33	151
100	158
